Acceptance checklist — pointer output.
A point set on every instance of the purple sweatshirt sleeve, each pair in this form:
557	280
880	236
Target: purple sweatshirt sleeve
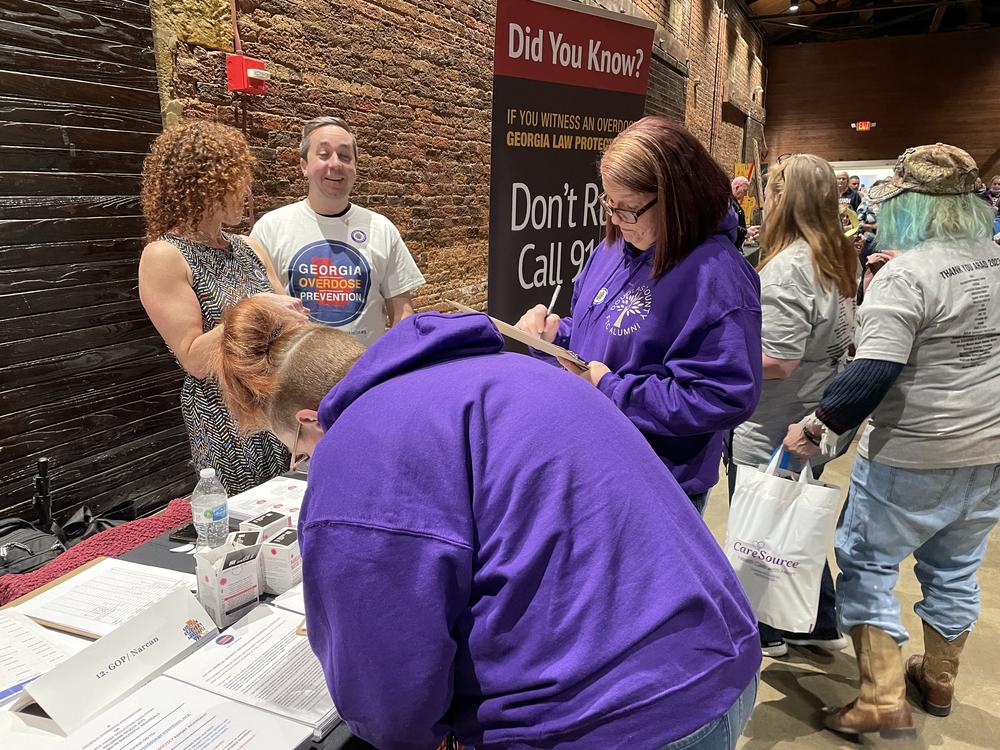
709	386
406	588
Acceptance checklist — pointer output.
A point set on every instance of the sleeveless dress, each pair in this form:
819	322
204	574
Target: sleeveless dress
221	278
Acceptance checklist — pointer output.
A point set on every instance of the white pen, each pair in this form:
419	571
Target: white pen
551	307
552	302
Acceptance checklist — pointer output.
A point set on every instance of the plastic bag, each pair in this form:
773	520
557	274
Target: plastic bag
780	529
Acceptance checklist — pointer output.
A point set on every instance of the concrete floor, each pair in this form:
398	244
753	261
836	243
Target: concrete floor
796	687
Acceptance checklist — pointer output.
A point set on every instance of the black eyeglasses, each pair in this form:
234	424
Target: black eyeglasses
625	216
296	462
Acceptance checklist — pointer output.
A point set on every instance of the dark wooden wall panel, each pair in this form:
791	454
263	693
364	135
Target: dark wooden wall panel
84	378
918	89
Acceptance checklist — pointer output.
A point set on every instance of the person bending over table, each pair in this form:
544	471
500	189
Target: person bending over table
489	547
194	182
667	310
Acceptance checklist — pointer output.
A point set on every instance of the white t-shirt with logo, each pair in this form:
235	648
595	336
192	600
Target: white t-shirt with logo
936	310
343	268
799	320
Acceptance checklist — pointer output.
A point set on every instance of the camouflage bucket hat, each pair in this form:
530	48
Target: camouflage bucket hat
938	169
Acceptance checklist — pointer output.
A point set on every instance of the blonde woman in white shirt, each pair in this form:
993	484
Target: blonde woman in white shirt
808	278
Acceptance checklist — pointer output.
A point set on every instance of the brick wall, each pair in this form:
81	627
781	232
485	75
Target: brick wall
725	66
415	81
667	89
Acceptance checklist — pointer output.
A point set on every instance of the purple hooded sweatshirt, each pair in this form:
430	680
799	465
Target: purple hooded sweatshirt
491	548
684	349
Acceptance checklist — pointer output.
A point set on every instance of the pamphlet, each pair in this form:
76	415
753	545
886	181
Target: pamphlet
168	715
262	662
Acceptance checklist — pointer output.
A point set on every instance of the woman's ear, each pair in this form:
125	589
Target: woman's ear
306	416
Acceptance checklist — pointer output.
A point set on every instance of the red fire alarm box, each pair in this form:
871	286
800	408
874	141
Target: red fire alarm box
246	74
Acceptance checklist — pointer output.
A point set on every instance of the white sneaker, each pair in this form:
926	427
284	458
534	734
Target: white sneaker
827	644
774	648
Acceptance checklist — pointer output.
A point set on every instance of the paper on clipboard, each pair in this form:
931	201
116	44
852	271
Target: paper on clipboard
534	342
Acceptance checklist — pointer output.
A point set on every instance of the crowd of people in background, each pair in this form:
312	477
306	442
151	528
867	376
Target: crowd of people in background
477	561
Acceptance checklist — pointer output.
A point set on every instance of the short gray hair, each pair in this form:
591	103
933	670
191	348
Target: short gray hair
321	122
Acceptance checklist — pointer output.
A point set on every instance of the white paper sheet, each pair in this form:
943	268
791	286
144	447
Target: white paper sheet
261	661
97	600
169	715
293	600
26	651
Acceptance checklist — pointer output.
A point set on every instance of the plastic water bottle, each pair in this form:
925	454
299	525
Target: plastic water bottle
210	510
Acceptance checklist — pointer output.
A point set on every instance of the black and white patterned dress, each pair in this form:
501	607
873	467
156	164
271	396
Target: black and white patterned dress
221	278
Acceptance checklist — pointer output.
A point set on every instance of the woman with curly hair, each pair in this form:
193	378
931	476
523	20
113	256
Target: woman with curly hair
195	181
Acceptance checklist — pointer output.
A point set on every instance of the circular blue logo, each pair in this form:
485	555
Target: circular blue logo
333	281
359	236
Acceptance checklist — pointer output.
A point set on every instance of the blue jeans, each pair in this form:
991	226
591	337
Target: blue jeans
722	733
699	500
942	517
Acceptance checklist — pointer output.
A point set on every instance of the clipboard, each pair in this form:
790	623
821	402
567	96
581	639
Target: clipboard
520	336
50	585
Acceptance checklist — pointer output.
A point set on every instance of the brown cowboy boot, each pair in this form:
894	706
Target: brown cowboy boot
933	674
881	707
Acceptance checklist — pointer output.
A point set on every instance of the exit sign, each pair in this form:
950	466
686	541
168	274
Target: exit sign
863	126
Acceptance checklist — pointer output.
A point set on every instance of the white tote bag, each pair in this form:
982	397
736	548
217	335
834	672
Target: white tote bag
780	529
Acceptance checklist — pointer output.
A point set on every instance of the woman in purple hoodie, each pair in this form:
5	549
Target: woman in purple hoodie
667	311
483	545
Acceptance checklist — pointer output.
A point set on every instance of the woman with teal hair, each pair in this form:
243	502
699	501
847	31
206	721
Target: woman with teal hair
926	480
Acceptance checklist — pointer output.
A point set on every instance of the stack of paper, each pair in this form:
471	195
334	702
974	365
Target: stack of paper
280	494
263	662
26	652
97	599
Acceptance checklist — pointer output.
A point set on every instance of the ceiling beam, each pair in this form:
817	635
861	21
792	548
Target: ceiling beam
896	21
839	33
859	9
939	12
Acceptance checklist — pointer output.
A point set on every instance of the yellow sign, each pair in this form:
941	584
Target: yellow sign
749	202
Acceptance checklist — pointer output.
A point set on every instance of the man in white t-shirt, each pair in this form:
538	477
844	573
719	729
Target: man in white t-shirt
348	265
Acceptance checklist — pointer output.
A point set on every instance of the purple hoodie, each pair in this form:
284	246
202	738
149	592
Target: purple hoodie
491	548
684	349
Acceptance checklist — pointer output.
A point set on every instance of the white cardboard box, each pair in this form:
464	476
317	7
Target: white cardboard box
268	524
282	562
228	581
250	539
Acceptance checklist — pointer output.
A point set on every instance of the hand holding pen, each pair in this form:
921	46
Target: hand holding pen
540	321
